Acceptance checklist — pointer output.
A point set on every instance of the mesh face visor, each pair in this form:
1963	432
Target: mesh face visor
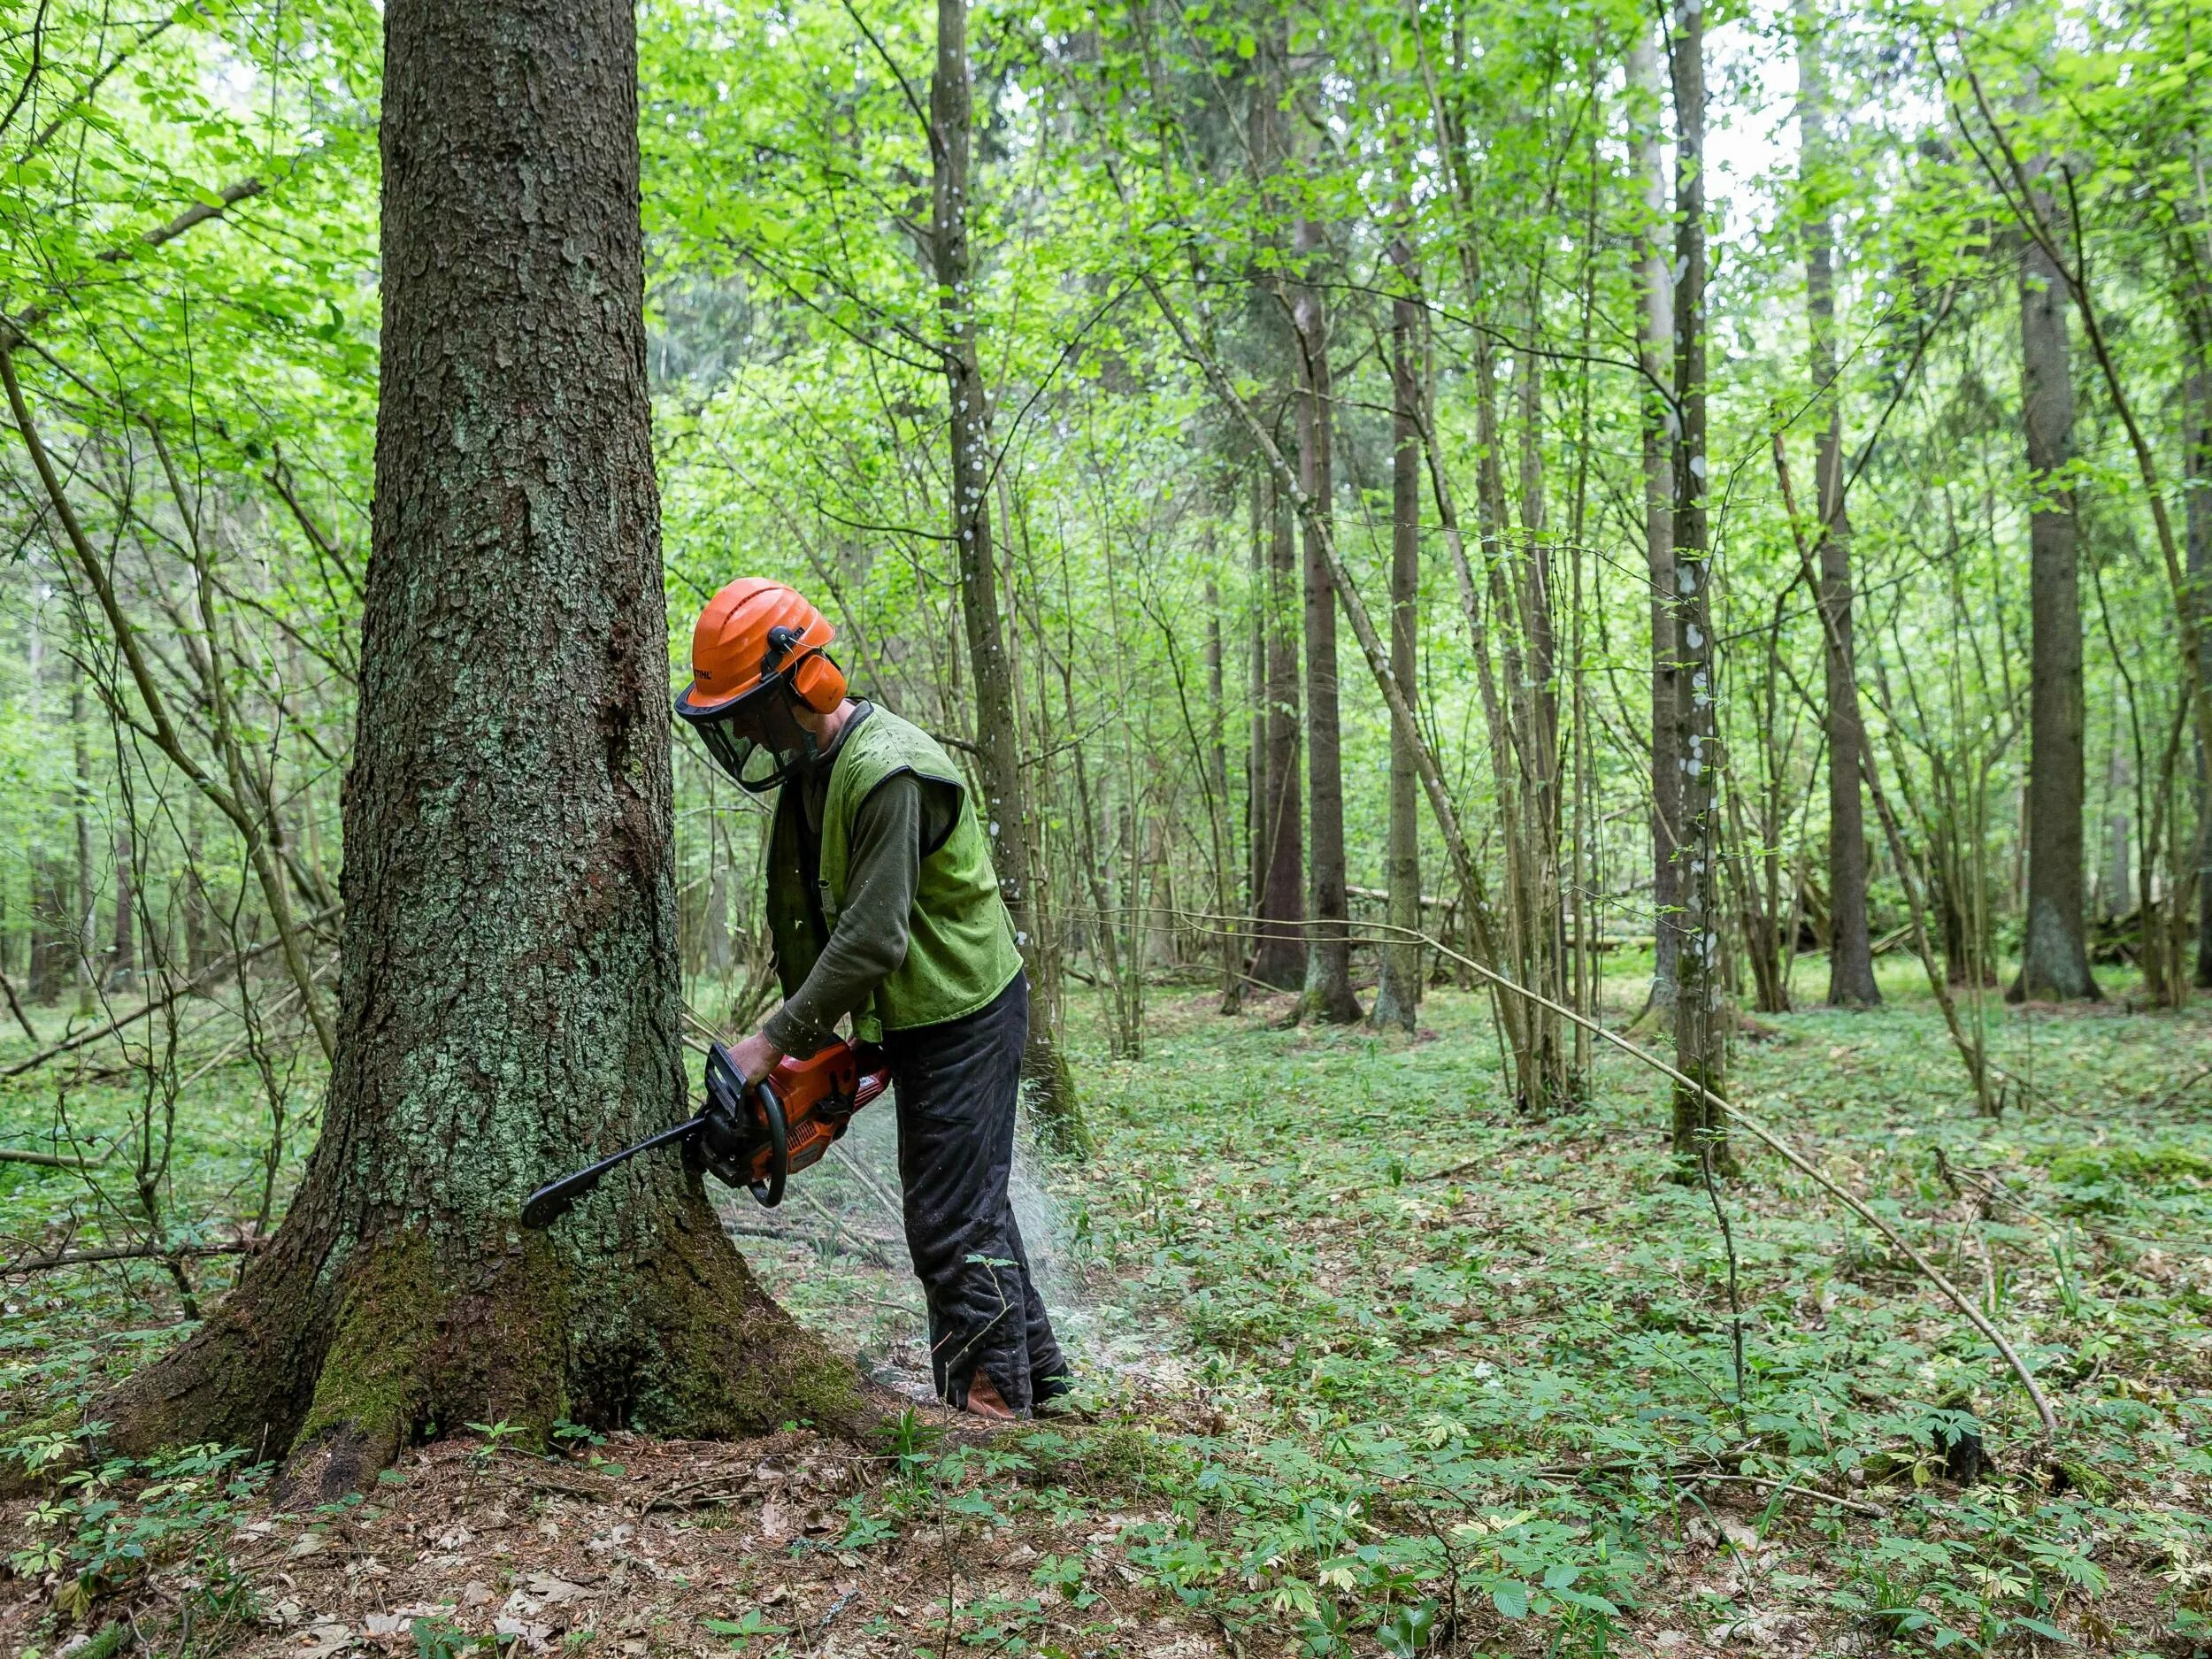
731	733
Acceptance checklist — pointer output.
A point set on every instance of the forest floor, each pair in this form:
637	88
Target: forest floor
1372	1364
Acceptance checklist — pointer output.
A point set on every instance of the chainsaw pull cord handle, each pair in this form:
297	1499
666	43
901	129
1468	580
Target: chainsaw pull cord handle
770	1191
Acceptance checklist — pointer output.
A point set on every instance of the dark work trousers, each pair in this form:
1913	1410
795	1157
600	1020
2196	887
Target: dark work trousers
957	1084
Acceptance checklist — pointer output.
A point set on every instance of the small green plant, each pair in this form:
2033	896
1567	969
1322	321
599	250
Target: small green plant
101	1530
913	1441
1064	1573
434	1639
572	1436
495	1435
741	1629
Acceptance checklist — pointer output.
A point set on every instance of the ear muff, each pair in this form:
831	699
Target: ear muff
818	683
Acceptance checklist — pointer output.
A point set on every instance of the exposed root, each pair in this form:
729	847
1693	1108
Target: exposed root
669	1333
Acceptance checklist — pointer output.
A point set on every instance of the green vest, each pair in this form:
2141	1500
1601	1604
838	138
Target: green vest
960	950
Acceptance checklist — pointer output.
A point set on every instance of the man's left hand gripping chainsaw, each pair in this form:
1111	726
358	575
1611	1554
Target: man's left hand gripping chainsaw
753	1138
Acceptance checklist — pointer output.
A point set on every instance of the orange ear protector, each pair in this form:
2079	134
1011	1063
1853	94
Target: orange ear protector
818	682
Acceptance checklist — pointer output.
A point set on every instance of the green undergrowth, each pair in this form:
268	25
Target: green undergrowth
184	1168
1373	1363
1475	1373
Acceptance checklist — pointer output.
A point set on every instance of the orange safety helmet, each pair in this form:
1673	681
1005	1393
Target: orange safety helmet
756	639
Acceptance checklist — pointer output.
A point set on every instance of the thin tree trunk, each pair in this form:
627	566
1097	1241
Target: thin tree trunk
998	735
1327	996
1700	1027
1259	786
2054	956
123	959
2196	403
1850	949
1226	945
508	1003
84	931
1398	996
1661	427
1281	958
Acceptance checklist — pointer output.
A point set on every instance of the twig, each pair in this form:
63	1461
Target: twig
849	1244
1784	1486
16	1007
127	1253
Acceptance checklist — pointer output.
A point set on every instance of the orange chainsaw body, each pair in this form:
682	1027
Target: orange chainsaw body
819	1096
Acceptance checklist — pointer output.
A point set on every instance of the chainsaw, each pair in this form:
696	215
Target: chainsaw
755	1138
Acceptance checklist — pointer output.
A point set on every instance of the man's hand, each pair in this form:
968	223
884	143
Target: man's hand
755	1057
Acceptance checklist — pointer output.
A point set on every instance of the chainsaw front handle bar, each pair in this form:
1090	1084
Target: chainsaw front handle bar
770	1191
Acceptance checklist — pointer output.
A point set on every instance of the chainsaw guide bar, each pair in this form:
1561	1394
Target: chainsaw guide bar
755	1138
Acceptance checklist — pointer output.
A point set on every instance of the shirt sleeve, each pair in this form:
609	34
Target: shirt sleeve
883	869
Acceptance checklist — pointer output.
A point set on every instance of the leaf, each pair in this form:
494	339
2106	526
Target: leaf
1510	1599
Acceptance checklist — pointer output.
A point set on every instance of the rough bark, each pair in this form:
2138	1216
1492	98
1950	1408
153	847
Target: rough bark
1327	995
1281	960
1850	949
2054	955
1700	1031
1398	996
508	990
1661	427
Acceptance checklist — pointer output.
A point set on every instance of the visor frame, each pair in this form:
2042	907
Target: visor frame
730	747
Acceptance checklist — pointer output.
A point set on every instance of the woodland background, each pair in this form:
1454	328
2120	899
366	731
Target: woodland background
1656	408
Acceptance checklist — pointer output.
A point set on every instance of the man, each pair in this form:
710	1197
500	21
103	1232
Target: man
882	904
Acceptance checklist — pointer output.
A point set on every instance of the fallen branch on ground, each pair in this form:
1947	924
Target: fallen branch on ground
52	1160
127	1253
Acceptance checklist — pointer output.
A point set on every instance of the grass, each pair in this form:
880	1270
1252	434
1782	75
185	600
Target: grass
1381	1366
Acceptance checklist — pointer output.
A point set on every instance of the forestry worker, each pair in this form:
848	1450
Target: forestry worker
882	904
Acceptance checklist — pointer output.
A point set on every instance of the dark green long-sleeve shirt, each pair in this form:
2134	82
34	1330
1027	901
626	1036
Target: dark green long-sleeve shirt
893	828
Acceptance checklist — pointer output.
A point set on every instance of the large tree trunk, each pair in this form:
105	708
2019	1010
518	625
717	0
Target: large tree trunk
1850	947
1699	1030
1662	424
508	994
1398	996
1328	994
998	733
2054	956
1281	957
